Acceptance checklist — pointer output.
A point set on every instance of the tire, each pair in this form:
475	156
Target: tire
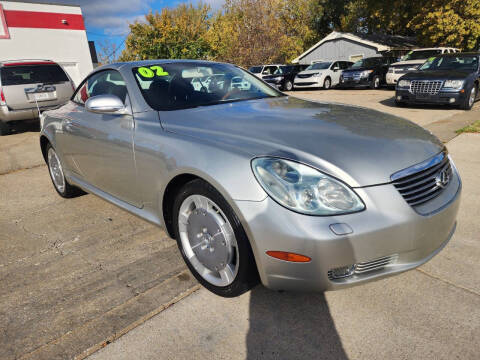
467	104
4	128
376	82
288	86
327	83
223	263
60	183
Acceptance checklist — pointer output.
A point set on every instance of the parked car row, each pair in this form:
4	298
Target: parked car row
423	76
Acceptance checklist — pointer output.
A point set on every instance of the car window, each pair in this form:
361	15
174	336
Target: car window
421	54
179	85
256	69
32	74
107	82
455	62
335	65
367	62
270	70
319	66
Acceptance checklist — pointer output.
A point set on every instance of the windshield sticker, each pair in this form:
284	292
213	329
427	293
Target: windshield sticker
152	71
431	59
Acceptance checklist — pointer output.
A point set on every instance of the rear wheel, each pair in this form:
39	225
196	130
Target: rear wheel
55	169
212	240
467	104
4	128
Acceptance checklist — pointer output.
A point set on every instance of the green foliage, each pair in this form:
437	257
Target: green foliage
248	32
449	22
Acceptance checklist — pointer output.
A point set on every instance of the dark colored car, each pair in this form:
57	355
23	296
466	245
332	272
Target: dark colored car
369	72
283	78
446	79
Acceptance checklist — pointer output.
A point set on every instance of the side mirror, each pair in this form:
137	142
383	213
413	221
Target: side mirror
336	68
104	104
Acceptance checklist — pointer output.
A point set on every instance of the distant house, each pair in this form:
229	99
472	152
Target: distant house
352	47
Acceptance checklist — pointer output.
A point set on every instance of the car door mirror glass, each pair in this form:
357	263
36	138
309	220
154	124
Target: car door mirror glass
105	104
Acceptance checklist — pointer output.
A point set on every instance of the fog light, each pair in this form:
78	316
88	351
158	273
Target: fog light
341	272
452	100
399	97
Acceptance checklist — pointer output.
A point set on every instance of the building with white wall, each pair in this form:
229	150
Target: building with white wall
47	32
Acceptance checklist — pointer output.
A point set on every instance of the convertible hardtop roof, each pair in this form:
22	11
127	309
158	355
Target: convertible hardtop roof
154	62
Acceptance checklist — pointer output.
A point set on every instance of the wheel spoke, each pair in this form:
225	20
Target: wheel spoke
226	274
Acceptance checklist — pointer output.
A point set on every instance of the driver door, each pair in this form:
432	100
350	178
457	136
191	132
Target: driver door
101	144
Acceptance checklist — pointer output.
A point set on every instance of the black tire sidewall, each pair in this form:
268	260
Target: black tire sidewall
4	128
247	275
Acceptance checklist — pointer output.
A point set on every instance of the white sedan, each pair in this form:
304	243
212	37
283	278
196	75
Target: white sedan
321	74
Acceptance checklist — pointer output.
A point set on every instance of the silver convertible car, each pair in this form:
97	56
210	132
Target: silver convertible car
254	184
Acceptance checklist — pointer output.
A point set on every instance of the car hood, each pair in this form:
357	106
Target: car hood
357	69
308	72
362	147
437	75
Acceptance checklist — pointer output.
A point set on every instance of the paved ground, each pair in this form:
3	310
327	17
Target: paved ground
429	313
441	120
77	274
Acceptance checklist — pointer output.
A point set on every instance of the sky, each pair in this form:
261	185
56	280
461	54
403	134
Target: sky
107	20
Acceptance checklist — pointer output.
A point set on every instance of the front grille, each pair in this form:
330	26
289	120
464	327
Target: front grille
361	268
304	76
428	87
424	182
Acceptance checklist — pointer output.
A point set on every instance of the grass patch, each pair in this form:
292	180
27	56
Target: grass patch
472	128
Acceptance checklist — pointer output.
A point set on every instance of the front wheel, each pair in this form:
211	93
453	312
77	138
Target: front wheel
327	83
212	240
288	86
467	104
375	82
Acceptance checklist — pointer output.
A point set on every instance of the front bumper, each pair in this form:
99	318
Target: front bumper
388	227
443	97
311	82
392	78
355	82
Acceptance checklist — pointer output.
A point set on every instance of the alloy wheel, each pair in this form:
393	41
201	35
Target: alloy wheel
471	99
56	171
208	240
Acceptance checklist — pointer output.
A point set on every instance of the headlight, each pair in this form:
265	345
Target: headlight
404	83
304	189
453	84
366	73
316	74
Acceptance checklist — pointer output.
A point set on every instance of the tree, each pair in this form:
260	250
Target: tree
448	23
249	32
177	33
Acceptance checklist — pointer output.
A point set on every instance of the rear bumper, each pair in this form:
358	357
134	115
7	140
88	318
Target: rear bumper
388	228
443	97
7	114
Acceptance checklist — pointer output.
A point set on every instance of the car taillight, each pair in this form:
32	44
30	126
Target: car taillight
2	98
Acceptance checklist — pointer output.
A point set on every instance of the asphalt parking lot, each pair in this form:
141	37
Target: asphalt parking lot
76	275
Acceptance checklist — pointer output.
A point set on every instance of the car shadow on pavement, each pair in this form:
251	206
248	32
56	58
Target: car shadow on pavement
18	127
289	325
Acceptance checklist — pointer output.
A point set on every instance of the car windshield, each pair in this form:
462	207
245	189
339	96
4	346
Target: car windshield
366	63
421	54
255	69
175	86
468	63
32	74
319	66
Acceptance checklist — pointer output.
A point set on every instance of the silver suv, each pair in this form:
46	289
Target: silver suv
30	86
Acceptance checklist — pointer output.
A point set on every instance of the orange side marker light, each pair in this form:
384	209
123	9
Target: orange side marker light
288	256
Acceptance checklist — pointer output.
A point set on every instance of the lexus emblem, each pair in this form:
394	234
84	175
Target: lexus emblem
442	179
